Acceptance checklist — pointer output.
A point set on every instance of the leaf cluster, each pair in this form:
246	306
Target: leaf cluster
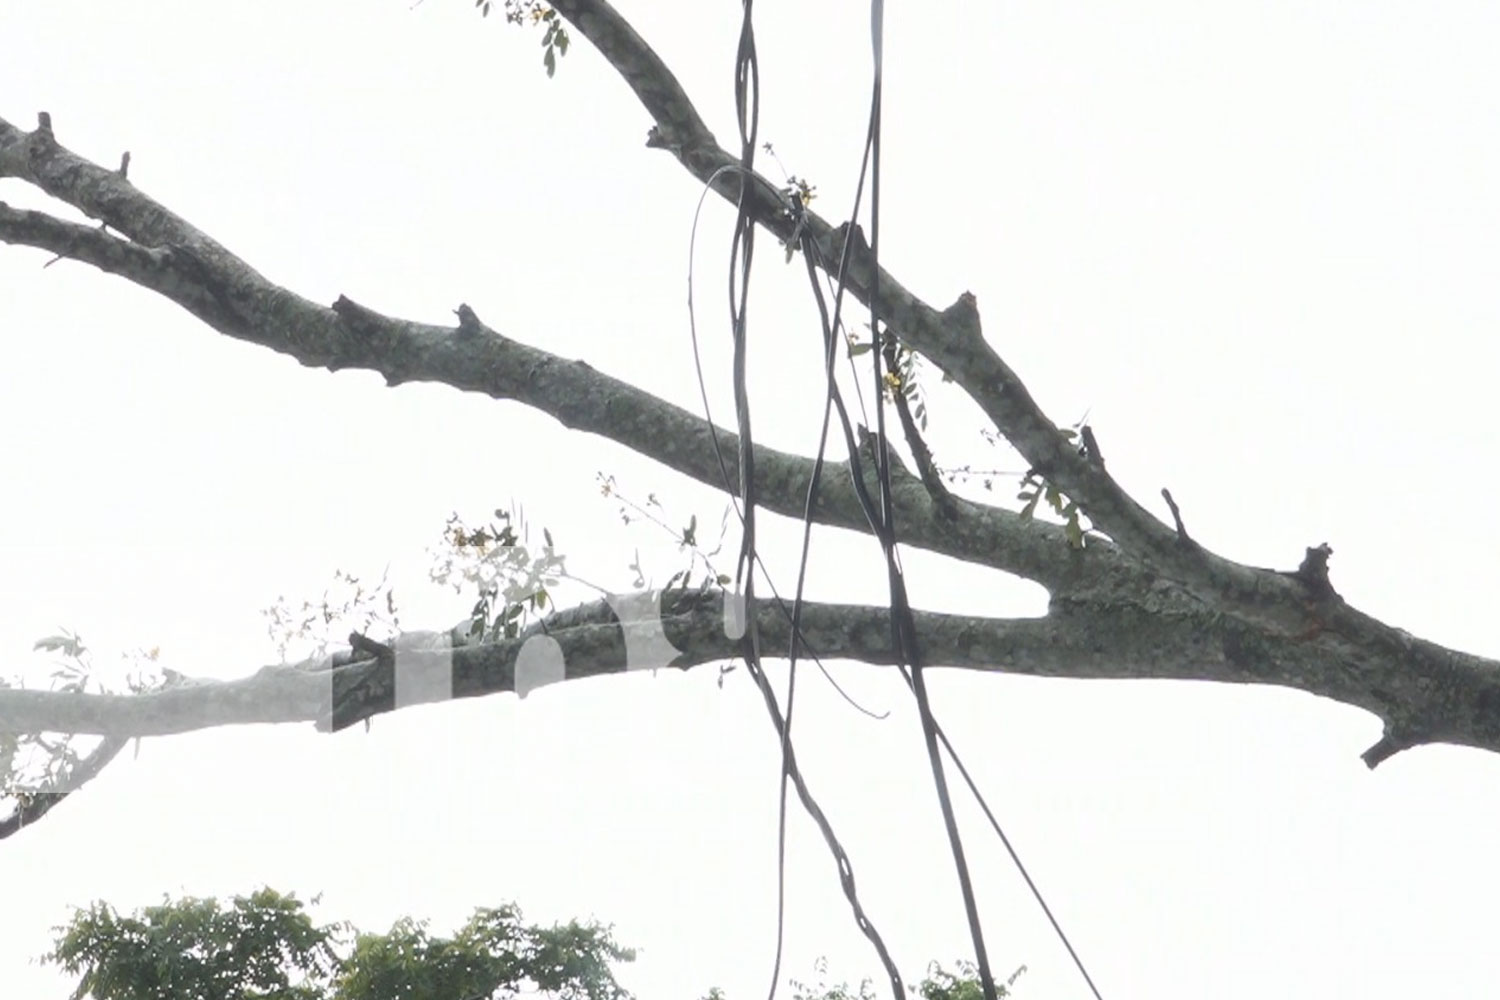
902	377
31	761
266	947
555	39
347	604
261	947
1035	488
939	984
653	512
497	560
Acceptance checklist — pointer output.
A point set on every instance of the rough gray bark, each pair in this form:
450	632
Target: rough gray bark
1148	603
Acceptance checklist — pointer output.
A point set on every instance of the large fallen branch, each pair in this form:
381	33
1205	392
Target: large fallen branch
1149	603
1163	635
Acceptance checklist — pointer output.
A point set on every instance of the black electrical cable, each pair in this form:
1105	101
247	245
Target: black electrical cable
741	255
718	449
903	632
882	520
815	263
1037	893
810	255
795	641
747	107
903	627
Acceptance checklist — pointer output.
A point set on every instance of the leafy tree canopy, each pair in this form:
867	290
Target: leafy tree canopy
265	946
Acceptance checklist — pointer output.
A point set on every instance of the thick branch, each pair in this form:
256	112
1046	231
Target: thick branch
590	640
1274	603
1160	635
198	274
32	805
1225	621
951	339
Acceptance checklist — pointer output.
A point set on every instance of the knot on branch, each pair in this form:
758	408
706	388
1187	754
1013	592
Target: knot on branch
374	338
1166	494
1313	573
359	318
658	138
854	242
1390	744
468	321
963	316
362	643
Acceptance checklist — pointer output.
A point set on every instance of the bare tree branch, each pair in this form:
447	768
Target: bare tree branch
1150	605
33	805
591	640
214	285
1162	635
951	339
1277	603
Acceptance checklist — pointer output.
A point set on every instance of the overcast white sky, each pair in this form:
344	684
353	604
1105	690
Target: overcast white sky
1257	240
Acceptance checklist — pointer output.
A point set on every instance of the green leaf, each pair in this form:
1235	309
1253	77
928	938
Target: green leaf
70	645
863	347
